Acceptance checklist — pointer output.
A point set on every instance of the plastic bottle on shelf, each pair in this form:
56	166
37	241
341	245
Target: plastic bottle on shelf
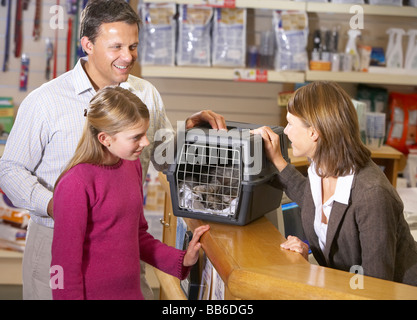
395	56
390	45
351	48
411	54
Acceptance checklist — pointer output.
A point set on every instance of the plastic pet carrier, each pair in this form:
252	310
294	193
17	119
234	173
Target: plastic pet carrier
224	176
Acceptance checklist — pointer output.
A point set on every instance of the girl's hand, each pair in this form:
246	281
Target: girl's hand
296	245
191	256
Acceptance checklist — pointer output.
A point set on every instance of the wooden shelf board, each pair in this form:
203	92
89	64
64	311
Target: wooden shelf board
213	73
362	77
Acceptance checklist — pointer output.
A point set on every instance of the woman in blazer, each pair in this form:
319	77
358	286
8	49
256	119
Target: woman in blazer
351	214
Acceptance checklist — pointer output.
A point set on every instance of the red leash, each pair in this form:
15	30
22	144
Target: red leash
37	21
18	29
69	42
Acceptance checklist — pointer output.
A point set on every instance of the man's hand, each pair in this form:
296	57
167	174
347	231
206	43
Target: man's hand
50	208
206	116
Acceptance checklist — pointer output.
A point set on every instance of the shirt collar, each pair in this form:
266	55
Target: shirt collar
343	186
81	81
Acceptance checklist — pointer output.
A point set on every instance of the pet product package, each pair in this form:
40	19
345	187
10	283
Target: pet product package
402	133
229	37
194	26
291	32
376	98
157	37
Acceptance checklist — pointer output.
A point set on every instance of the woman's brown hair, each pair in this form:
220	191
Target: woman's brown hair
327	108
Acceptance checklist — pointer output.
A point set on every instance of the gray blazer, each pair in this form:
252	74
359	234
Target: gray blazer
370	231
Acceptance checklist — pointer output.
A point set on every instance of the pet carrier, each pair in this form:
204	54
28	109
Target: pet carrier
224	176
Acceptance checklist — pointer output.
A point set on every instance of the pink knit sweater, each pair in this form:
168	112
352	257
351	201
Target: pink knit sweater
100	233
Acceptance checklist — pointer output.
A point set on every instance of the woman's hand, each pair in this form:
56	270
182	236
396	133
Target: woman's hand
296	245
272	147
191	256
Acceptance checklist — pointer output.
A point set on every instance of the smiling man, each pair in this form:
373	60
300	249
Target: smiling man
50	120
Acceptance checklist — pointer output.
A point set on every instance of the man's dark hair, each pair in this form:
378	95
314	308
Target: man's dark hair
98	12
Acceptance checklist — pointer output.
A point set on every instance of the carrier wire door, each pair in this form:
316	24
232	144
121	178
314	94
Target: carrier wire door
209	179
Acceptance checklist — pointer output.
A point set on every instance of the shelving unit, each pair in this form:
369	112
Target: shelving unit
405	11
214	73
362	77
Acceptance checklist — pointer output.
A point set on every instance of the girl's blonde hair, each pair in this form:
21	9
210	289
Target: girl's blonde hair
112	110
326	107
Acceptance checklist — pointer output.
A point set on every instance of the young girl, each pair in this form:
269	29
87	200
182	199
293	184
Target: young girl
100	230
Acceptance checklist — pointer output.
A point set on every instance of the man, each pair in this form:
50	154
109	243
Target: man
50	120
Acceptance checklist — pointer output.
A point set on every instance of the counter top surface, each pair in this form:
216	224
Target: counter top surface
252	263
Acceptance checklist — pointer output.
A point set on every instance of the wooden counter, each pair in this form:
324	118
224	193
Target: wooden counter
10	267
253	266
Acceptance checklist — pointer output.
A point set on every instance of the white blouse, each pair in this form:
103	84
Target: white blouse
341	195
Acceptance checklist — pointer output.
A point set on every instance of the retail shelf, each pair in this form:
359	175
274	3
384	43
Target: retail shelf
402	11
271	4
212	73
362	77
258	4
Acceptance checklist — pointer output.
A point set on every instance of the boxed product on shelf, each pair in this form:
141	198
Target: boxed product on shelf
6	117
193	43
11	215
348	1
13	225
376	98
397	3
229	37
12	238
402	133
157	37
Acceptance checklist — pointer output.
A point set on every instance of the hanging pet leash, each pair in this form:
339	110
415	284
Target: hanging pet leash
7	37
18	29
37	21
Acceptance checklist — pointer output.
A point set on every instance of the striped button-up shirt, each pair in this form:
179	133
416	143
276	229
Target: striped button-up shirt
46	131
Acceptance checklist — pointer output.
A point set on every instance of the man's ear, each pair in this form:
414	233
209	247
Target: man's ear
104	139
87	45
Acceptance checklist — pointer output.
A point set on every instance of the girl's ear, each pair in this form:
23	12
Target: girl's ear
104	139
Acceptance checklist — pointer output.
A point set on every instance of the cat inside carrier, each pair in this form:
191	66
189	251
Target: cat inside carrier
223	175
